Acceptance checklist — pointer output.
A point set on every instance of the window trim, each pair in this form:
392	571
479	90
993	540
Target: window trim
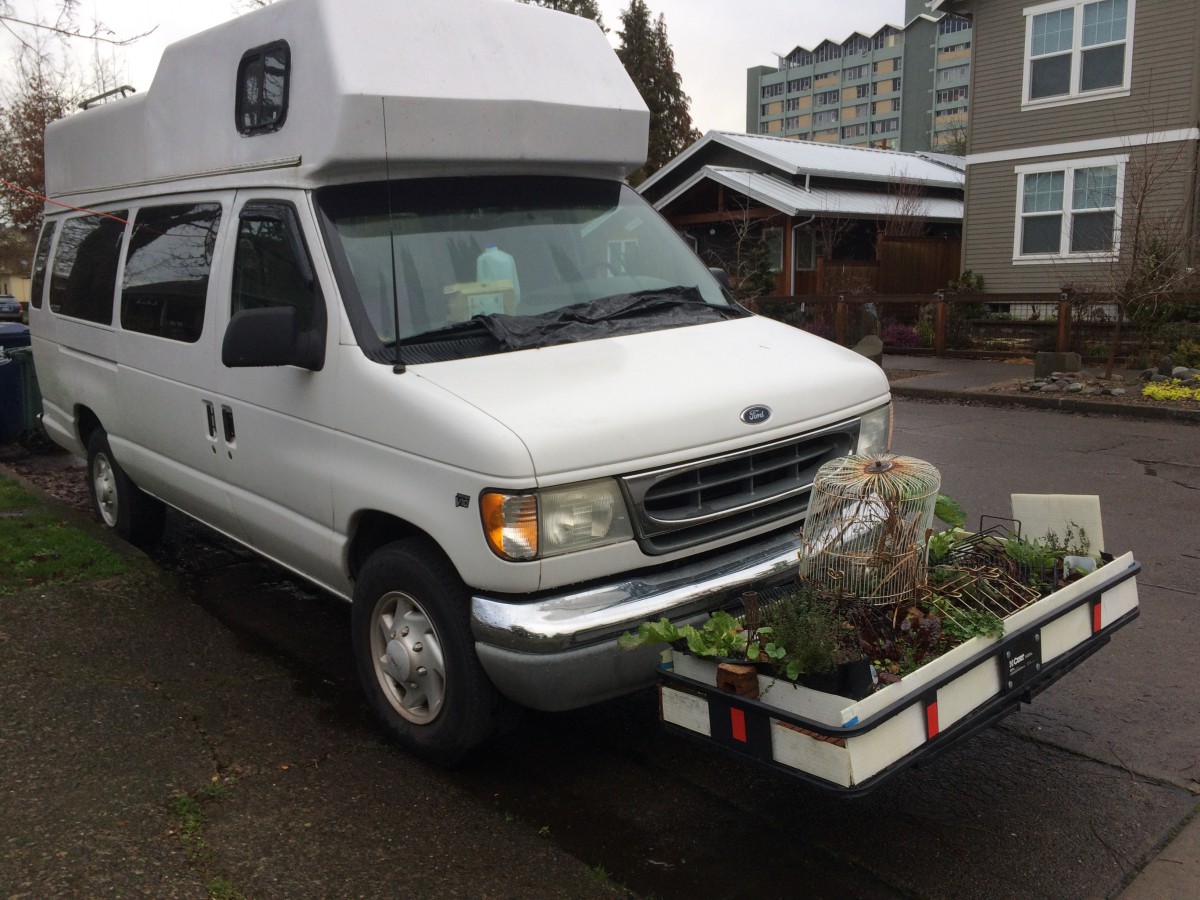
1074	95
248	57
1068	167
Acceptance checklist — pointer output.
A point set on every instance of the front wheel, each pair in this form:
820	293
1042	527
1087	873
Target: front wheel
118	503
416	658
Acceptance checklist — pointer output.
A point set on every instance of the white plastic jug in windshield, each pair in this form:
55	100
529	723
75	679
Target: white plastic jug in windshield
493	264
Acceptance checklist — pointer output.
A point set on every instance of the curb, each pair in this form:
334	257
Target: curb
1060	404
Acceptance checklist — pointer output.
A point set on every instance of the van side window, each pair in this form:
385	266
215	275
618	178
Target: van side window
37	284
166	270
84	277
262	86
271	266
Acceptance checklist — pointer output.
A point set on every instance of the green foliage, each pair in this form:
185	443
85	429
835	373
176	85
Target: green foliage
647	56
805	634
759	279
1187	353
1168	391
722	635
38	549
587	9
966	283
948	510
222	888
13	496
963	624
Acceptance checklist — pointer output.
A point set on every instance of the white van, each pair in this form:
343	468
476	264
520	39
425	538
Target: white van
358	283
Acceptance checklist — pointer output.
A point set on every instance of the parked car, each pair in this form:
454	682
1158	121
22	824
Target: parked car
10	308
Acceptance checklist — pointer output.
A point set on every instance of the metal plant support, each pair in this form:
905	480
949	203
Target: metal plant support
864	536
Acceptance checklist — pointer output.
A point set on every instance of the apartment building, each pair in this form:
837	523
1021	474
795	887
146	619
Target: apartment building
901	88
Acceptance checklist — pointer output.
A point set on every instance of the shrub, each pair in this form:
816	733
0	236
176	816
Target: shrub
898	335
1187	353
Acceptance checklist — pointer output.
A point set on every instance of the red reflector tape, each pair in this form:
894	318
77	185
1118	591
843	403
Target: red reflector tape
1097	617
737	724
931	720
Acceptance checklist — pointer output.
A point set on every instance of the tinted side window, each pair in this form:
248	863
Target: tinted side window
38	282
84	277
166	270
271	266
262	97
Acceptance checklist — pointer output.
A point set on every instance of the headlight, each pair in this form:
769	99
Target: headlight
875	431
555	521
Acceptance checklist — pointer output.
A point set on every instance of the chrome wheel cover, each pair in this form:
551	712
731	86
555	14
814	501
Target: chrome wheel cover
408	658
104	486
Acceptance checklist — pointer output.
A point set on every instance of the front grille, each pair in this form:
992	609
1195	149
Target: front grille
686	505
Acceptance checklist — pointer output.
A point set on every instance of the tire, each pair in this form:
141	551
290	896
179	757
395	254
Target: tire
416	659
117	503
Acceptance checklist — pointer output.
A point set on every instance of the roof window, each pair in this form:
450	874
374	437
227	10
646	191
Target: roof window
262	88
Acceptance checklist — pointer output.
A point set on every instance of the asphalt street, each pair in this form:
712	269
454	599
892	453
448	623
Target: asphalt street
208	674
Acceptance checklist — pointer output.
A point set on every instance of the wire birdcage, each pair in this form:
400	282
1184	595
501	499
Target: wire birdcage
864	535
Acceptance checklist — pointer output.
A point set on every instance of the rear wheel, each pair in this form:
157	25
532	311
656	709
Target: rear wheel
118	503
416	657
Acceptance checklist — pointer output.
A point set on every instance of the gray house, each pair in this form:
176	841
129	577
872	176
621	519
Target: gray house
1083	141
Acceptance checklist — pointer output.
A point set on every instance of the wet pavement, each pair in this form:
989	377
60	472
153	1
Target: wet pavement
204	663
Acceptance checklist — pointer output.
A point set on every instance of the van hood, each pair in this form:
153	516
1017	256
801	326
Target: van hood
611	405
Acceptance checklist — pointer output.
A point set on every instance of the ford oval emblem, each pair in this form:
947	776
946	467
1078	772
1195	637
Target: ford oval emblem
756	415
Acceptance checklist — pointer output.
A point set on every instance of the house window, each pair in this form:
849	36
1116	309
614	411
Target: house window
262	96
855	72
953	73
800	84
1069	212
825	117
950	95
827	97
885	127
772	90
1077	50
773	238
953	25
854	131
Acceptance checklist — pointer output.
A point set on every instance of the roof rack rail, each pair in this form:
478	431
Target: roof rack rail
123	90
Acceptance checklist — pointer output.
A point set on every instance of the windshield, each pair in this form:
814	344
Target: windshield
436	253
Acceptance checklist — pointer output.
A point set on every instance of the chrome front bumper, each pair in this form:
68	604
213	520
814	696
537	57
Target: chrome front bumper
559	651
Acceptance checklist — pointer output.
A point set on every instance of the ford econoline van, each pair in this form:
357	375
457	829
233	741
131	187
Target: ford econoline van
359	284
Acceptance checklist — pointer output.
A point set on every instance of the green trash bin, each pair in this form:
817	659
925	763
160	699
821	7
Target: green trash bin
32	436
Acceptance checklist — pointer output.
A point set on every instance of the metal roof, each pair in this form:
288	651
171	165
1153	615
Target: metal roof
791	157
795	200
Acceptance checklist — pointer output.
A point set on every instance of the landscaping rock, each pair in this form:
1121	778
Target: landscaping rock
1081	383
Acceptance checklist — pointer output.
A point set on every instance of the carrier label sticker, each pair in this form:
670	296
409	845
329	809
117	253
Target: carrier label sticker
1021	660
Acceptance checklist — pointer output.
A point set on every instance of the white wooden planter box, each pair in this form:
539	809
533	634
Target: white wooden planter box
852	745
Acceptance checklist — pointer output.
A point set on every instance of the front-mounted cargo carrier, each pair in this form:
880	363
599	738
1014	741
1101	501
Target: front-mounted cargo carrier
851	746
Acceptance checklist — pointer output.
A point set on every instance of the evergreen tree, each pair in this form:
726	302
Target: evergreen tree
647	56
588	9
39	99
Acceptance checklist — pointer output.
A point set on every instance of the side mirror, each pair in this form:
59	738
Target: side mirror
268	337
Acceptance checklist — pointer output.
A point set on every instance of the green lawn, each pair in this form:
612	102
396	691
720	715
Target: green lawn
38	547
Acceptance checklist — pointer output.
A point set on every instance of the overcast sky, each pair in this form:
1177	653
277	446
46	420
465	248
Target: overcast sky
715	41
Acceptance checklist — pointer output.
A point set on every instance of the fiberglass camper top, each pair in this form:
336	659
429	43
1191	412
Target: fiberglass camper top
325	91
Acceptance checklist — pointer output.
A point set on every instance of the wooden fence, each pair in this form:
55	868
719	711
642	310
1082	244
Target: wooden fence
981	324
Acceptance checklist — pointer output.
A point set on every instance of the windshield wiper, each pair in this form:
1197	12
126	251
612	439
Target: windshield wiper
471	328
